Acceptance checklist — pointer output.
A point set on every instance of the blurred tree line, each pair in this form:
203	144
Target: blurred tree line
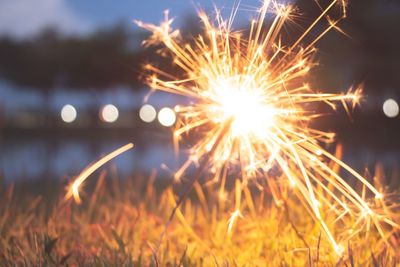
100	60
113	56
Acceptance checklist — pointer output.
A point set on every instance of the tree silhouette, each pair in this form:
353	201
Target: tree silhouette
99	61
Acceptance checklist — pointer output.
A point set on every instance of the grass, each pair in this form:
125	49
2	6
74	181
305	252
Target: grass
120	223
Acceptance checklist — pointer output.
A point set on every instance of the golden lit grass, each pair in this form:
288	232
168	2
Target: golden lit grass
120	224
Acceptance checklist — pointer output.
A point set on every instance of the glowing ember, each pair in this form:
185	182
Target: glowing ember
251	108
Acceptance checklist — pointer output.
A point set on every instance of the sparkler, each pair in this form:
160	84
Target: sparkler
251	108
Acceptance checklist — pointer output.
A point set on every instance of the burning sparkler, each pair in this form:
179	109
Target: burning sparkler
251	108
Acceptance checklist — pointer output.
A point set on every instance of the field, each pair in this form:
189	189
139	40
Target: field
121	221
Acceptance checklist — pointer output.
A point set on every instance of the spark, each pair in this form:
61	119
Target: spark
234	216
73	188
252	106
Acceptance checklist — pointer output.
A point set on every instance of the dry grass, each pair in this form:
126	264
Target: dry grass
121	221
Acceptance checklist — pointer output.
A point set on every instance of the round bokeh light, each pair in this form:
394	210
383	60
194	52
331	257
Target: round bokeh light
109	113
166	117
68	113
147	113
391	108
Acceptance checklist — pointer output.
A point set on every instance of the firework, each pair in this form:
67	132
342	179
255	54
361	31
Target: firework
250	107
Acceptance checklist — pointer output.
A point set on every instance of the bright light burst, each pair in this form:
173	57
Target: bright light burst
251	108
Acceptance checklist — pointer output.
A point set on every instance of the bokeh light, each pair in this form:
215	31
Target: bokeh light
109	113
166	117
68	113
147	113
391	108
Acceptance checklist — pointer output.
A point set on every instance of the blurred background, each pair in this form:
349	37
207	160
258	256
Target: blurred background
71	85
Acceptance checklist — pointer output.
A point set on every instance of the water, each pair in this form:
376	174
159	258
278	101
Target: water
35	143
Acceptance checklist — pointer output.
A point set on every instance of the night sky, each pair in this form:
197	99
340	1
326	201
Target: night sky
76	16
